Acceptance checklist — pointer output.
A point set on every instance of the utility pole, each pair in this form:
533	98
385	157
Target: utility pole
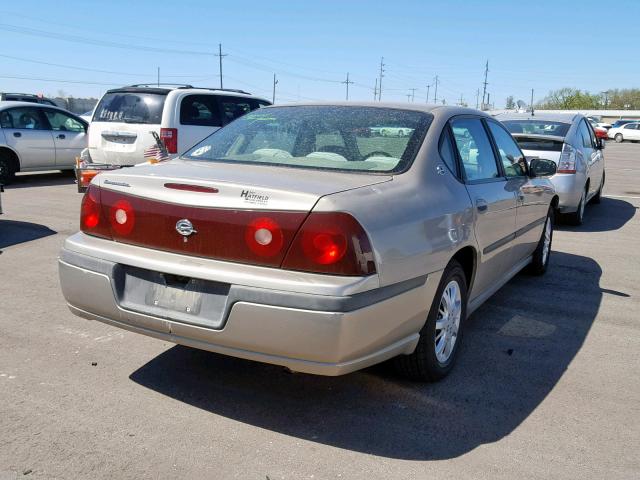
532	102
347	82
461	101
488	101
413	94
380	81
435	92
158	76
220	55
375	91
484	88
408	97
477	98
428	87
275	82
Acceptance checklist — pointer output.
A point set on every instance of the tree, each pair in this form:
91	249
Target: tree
570	99
509	103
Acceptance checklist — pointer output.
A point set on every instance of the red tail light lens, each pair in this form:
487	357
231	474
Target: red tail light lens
331	243
91	219
170	138
122	217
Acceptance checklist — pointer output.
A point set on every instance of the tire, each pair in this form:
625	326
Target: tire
618	138
597	198
576	218
425	363
7	169
541	254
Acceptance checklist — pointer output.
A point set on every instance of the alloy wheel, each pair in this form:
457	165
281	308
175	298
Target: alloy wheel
448	321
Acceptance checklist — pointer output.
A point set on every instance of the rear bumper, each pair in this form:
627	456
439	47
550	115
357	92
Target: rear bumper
318	334
569	188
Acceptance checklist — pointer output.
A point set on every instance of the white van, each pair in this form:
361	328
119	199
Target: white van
120	130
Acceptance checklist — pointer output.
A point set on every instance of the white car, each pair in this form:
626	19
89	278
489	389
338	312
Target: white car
36	136
628	131
124	119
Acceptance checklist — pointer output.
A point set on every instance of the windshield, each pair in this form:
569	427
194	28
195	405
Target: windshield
321	137
537	127
139	107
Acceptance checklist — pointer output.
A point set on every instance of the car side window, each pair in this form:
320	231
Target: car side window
446	151
512	158
62	122
474	148
583	130
200	110
27	118
233	107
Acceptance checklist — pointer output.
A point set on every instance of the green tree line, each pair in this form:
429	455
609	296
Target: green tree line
572	98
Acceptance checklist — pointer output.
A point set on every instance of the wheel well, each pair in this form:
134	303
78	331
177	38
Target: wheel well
7	152
554	202
466	257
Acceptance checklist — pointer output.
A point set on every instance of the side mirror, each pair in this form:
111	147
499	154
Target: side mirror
600	144
540	167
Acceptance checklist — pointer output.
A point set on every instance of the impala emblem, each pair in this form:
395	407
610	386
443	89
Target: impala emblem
185	228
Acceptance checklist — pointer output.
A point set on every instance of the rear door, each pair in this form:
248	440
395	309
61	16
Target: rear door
69	136
593	156
531	210
494	201
27	132
122	123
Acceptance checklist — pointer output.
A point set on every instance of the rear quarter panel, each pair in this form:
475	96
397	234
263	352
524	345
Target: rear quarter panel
417	221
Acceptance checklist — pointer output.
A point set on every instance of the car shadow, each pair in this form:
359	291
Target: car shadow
516	348
49	179
13	232
610	214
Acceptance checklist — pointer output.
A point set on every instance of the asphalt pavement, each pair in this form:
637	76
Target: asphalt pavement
547	384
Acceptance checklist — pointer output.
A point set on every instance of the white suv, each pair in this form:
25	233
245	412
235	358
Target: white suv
124	119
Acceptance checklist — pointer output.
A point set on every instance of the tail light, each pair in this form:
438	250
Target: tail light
91	218
264	237
122	217
170	138
331	243
567	162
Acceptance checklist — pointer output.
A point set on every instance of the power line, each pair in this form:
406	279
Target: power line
85	40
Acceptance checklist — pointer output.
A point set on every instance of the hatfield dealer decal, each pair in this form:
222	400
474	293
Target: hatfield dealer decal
254	197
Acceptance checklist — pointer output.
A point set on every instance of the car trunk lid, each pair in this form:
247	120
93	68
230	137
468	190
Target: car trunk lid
207	209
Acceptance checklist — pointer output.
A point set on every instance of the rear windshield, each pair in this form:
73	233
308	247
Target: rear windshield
538	143
138	107
537	127
321	137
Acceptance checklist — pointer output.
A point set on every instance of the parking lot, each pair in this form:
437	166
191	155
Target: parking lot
547	383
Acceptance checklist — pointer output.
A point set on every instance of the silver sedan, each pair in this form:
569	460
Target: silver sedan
570	141
295	237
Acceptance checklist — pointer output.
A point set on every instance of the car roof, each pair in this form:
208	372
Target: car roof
549	117
435	110
5	104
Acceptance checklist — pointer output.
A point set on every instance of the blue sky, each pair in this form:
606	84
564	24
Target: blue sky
312	45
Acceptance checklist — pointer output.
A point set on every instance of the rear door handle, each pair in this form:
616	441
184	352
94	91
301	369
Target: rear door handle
482	205
61	136
17	134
